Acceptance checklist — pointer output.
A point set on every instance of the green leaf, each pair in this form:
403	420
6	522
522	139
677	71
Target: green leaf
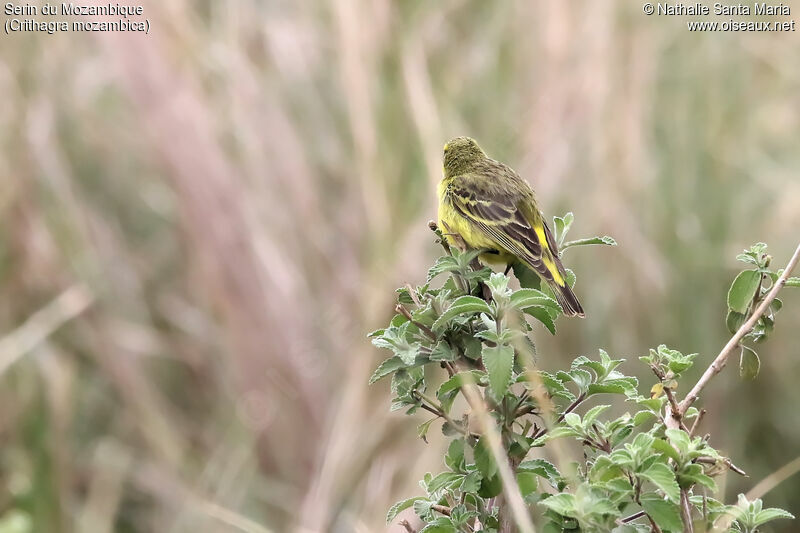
440	525
570	277
462	378
749	363
490	487
455	455
528	483
484	459
449	389
679	439
542	468
642	443
422	429
573	420
386	368
592	414
643	416
665	447
527	278
734	320
524	298
471	483
663	477
580	377
562	225
499	362
792	282
443	352
773	513
663	512
563	504
543	315
743	289
606	240
461	306
626	386
443	480
401	506
472	347
556	433
393	364
443	264
498	285
693	473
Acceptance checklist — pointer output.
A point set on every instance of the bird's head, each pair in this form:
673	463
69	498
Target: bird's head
460	154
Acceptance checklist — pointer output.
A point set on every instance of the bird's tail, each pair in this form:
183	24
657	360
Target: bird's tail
567	299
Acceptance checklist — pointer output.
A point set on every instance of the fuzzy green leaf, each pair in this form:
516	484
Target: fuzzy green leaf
773	513
401	506
499	362
562	225
443	264
484	459
734	320
393	364
743	289
545	316
542	468
462	306
440	525
524	298
454	458
663	512
563	504
527	278
606	240
749	363
592	414
443	352
663	477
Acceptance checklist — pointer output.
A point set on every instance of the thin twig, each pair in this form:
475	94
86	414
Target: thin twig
686	512
733	343
407	526
568	410
422	327
697	421
632	517
435	228
674	410
441	509
436	408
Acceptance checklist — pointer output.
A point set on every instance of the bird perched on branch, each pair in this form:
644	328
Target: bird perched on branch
489	206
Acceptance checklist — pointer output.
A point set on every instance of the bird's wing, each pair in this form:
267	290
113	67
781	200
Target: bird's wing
501	216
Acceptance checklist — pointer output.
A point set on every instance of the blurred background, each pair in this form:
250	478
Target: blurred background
199	226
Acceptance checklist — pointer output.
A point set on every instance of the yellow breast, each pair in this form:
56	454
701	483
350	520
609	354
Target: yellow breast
451	221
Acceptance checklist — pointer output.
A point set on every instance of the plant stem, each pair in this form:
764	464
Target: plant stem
568	410
422	327
437	409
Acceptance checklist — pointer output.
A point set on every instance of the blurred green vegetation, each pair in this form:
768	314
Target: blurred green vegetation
229	201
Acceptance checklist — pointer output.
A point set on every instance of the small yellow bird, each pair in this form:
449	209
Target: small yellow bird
491	207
